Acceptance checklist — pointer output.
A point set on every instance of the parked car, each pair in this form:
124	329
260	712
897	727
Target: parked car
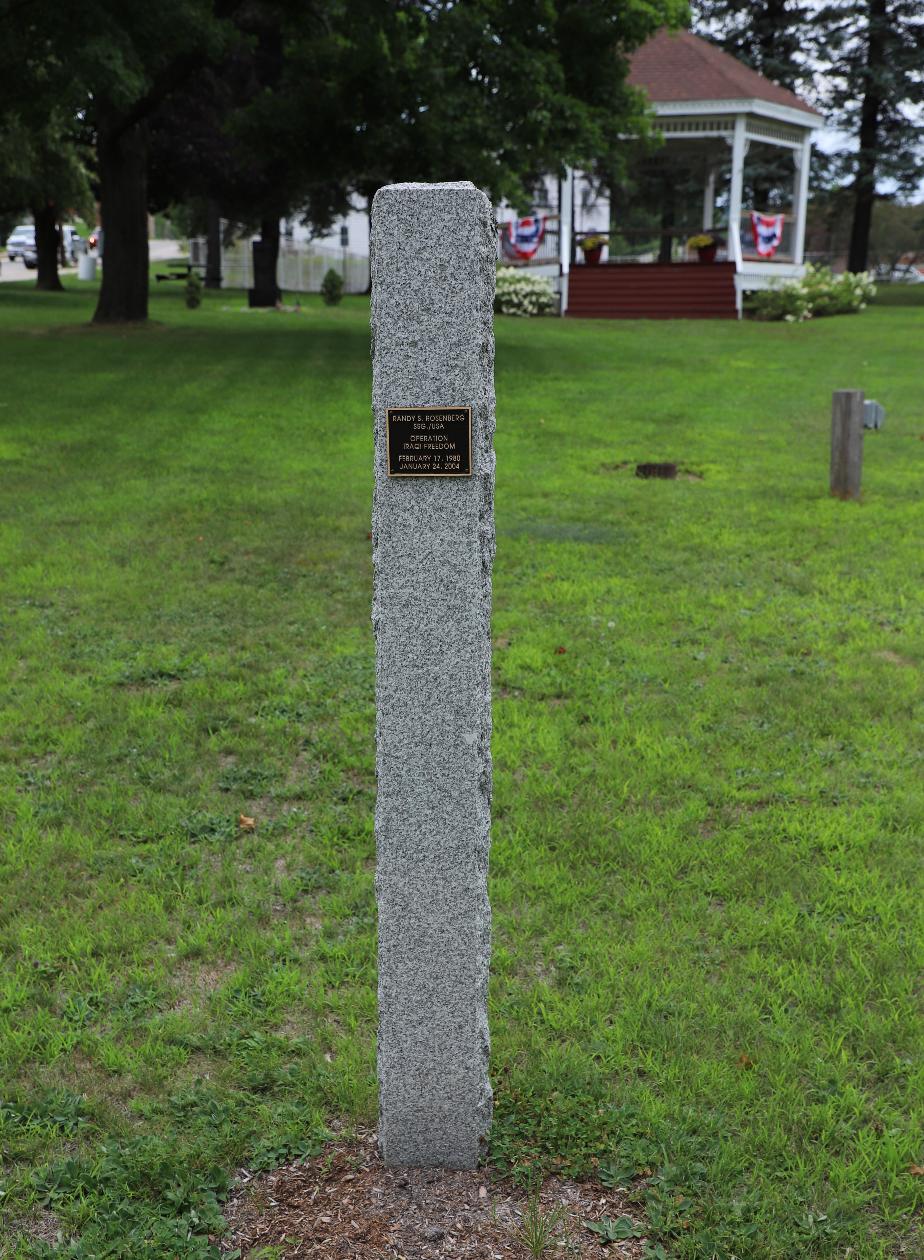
20	237
21	244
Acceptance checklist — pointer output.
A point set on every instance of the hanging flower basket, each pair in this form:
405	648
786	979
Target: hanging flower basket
706	247
593	249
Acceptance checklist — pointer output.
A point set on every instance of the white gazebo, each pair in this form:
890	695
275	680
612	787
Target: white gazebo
710	108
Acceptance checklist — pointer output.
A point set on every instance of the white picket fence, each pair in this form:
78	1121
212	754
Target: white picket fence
300	269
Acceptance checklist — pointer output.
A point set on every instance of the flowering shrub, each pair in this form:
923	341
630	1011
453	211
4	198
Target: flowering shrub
837	295
783	301
519	293
819	292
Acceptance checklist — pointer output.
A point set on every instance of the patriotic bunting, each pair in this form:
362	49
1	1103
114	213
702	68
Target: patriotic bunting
768	232
521	238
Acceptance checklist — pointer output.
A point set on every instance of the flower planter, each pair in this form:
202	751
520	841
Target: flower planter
592	256
707	253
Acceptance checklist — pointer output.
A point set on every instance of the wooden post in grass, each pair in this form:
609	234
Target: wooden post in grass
846	443
433	264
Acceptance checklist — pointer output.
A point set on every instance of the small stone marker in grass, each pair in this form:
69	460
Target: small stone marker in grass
433	268
846	443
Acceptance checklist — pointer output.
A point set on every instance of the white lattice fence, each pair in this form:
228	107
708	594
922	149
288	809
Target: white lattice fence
300	270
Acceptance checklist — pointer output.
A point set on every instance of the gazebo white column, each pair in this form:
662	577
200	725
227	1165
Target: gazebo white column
739	150
803	160
565	230
709	199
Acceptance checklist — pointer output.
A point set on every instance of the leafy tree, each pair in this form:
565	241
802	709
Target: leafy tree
897	234
501	94
112	69
44	156
57	182
434	90
193	172
265	133
872	53
350	97
768	35
139	56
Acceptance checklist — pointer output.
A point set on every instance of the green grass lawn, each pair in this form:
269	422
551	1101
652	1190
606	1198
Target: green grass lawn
707	864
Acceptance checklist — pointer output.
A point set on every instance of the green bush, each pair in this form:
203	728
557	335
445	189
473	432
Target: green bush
332	287
819	292
193	290
519	293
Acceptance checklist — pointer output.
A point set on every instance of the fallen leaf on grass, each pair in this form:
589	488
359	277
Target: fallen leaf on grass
245	823
560	651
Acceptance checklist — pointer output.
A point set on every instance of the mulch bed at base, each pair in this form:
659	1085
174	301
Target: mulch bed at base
346	1204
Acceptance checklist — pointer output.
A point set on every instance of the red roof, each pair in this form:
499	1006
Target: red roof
680	66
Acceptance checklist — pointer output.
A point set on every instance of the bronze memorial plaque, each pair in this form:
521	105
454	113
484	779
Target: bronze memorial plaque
429	441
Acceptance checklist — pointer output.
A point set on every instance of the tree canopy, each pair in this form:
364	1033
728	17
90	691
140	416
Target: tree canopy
288	107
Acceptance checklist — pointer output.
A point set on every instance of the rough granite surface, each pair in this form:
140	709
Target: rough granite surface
433	270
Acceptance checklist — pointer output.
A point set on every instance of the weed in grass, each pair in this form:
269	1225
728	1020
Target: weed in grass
291	1150
539	1225
609	1230
616	1176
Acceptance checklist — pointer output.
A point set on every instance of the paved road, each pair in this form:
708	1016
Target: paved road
159	250
18	271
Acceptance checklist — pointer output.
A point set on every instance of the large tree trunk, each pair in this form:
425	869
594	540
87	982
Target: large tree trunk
213	245
122	157
46	247
265	291
864	185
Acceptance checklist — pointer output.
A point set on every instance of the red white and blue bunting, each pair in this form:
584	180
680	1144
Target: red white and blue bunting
521	238
768	232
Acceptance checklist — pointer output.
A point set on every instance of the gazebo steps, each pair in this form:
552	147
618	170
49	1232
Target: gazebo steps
653	291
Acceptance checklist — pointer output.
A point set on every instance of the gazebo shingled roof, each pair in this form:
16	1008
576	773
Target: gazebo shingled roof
680	66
